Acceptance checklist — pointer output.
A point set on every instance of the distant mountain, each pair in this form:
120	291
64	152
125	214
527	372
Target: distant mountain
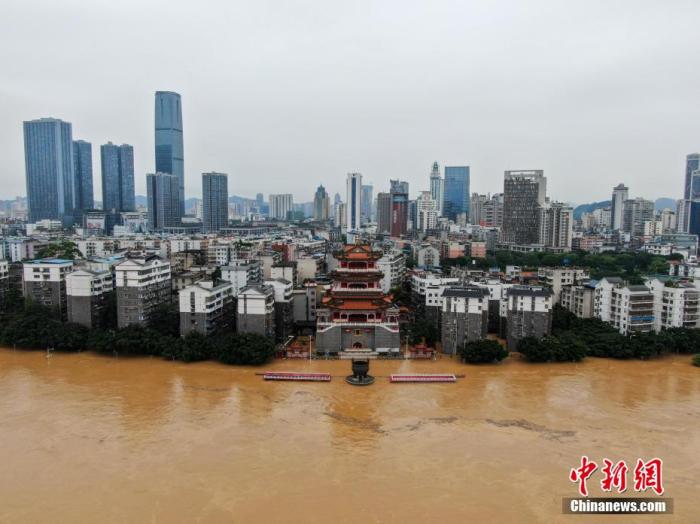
143	201
663	203
659	205
235	199
589	208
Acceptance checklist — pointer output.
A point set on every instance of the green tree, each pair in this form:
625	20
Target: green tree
63	249
482	352
564	348
424	331
165	319
245	349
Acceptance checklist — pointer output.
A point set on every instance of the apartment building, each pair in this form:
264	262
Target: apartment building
87	294
528	313
464	316
206	307
628	308
142	285
241	273
255	310
675	304
558	277
44	282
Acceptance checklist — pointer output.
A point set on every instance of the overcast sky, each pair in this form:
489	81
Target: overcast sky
283	95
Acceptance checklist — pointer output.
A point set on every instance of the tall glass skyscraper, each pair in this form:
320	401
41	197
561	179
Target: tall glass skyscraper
366	205
163	201
456	191
692	163
170	156
117	178
399	207
214	201
82	174
48	158
353	186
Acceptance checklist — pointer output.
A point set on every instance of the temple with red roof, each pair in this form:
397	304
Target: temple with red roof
356	318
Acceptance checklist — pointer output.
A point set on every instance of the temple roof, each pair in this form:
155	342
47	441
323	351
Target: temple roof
358	252
356	304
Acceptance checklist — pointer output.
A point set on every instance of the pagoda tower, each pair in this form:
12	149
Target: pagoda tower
356	318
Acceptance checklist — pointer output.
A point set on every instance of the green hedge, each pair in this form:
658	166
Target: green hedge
574	338
38	327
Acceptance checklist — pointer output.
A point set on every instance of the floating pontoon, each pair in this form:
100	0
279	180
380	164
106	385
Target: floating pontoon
423	378
300	377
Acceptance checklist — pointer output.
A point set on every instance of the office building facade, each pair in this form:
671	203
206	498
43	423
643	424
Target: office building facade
170	156
692	164
214	201
384	213
48	157
353	202
456	193
163	201
399	208
82	174
118	193
524	194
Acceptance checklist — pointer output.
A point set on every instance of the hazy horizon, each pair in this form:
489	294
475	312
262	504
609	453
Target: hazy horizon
284	97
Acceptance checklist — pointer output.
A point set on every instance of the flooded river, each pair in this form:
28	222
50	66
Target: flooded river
87	438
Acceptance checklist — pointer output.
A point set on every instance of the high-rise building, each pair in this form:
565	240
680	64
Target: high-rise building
143	284
170	156
281	205
354	201
82	174
683	215
164	204
321	204
668	221
636	212
692	163
556	226
456	194
689	208
48	157
366	205
693	220
399	207
426	211
214	201
476	208
524	193
492	211
620	194
340	215
436	187
384	213
117	164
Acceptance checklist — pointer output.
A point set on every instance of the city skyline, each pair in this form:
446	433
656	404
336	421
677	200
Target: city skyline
588	125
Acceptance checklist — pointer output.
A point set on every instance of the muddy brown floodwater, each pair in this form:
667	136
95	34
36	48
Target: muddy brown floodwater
87	438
